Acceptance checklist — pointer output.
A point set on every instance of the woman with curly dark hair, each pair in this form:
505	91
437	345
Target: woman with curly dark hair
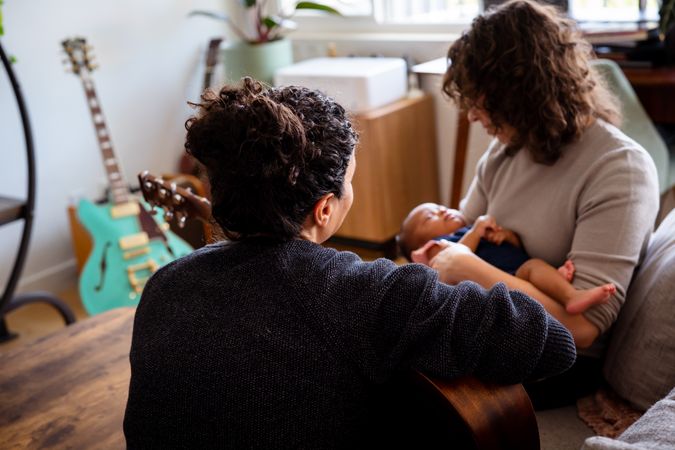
270	340
558	173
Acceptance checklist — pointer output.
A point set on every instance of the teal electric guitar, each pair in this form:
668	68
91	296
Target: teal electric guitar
129	244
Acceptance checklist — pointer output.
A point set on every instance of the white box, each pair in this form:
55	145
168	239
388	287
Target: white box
358	84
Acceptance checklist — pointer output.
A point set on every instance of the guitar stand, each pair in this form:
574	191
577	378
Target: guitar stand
12	210
30	298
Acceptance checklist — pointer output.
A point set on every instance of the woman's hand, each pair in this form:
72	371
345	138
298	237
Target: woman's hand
455	263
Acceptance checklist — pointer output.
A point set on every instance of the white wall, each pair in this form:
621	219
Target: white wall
150	57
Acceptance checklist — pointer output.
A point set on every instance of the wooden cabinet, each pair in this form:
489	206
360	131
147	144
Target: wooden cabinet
395	168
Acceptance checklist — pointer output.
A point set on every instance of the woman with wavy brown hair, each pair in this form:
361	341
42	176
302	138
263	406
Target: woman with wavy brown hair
558	173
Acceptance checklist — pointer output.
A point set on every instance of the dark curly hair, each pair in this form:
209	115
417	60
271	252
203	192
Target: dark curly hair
527	66
270	155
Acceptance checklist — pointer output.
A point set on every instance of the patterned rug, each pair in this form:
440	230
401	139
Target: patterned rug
606	413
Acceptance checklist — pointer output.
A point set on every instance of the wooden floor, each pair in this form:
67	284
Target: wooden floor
34	321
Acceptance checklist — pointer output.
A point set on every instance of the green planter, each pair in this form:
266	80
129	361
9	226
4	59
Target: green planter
258	61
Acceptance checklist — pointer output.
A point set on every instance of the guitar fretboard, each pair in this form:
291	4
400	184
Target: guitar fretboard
119	190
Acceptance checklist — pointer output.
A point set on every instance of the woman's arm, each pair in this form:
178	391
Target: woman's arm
457	263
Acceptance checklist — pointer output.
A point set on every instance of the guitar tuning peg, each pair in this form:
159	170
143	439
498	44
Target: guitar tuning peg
168	215
149	187
181	221
163	193
178	199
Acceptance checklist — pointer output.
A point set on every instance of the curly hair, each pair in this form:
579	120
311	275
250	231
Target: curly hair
270	155
527	66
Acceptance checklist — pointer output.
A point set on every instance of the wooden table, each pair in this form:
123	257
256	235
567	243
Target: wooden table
69	389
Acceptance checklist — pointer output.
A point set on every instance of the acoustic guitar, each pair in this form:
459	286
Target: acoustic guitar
416	411
129	245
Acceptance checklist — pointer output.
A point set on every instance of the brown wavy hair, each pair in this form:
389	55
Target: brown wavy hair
527	66
270	155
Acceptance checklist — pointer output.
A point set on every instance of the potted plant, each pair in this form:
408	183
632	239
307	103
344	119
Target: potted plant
667	28
666	15
262	47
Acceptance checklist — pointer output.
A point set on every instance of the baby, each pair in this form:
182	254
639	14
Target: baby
500	247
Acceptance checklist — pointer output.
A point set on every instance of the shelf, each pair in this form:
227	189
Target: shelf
11	209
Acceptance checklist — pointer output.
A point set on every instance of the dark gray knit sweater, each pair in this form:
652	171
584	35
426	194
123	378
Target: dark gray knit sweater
266	344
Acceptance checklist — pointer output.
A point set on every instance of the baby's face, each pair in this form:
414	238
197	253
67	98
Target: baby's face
430	220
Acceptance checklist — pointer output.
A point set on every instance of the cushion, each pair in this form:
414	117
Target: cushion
640	361
655	430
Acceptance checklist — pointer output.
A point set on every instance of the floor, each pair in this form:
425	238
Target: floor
561	429
36	320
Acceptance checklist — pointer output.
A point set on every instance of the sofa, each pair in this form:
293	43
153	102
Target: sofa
640	361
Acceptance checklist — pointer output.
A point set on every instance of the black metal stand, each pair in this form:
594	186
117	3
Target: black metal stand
9	302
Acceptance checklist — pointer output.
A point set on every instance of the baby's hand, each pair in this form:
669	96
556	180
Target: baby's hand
485	225
496	236
502	235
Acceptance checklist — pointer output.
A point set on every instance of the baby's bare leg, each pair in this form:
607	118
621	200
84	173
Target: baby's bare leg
567	270
547	278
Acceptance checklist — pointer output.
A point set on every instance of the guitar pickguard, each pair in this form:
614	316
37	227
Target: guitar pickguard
121	262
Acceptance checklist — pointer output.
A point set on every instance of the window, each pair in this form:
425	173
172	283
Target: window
411	12
403	11
425	11
613	10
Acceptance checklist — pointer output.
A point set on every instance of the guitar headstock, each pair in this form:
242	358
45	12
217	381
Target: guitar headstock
79	55
177	202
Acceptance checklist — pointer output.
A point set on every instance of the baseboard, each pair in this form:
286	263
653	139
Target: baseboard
54	279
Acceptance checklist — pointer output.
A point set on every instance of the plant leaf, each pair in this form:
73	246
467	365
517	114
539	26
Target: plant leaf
2	30
317	7
270	22
211	14
249	3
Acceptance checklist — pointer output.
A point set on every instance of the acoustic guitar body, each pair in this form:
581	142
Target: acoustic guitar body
129	245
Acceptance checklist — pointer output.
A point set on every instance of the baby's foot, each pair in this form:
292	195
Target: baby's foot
590	297
567	270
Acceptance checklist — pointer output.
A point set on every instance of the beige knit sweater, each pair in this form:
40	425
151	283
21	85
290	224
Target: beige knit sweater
596	205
